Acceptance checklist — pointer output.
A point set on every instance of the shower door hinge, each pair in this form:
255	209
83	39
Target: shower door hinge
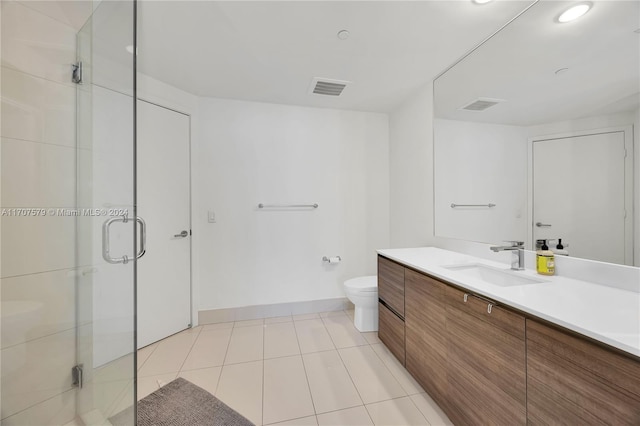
76	72
76	376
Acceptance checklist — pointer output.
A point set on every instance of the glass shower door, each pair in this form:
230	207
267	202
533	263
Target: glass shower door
108	236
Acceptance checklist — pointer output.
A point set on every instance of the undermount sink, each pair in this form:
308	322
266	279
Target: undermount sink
495	276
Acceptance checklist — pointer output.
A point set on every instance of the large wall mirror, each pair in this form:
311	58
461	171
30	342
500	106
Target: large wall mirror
534	133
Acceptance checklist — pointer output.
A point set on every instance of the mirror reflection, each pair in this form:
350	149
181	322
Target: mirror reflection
534	134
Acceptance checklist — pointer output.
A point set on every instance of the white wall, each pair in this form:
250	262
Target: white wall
411	171
411	180
252	153
479	163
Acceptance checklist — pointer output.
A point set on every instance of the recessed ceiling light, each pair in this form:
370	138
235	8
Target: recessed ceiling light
129	49
574	12
343	34
481	1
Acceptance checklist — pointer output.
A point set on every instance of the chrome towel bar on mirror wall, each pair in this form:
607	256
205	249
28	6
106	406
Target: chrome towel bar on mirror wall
287	206
453	206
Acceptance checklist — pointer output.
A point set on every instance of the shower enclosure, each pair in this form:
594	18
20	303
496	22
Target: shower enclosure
69	231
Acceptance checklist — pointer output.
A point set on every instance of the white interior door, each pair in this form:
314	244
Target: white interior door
579	194
164	272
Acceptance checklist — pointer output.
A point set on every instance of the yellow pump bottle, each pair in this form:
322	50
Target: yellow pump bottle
545	261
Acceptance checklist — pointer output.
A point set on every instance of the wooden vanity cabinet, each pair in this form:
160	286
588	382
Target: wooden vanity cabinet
486	367
391	307
574	381
391	284
426	335
490	365
391	332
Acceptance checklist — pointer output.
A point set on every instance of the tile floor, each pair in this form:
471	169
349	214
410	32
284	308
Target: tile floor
312	369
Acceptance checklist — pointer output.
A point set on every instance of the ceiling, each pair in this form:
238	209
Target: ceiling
270	51
600	51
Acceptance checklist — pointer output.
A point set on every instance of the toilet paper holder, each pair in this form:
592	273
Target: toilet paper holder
332	259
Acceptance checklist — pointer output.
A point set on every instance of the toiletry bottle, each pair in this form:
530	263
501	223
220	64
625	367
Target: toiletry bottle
545	262
560	250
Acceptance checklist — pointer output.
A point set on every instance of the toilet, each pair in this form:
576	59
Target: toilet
363	293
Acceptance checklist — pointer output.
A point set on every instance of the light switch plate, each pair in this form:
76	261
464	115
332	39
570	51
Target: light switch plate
211	216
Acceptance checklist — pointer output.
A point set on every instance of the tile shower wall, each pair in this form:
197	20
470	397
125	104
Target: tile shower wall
38	257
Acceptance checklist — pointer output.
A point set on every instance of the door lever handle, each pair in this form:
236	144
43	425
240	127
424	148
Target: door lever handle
183	234
542	225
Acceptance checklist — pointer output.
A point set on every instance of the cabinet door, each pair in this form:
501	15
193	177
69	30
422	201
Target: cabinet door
486	362
573	381
391	284
426	334
391	331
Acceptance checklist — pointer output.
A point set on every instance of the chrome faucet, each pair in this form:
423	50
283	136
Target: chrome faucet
517	256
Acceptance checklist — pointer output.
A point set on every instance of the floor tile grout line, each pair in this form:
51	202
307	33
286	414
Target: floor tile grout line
278	322
267	326
383	363
327	330
251	325
139	367
305	319
392	375
340	409
306	375
275	357
388	369
110	411
291	420
349	346
263	373
308	319
348	408
37	403
176	372
419	410
354	384
401	397
207	368
226	352
189	353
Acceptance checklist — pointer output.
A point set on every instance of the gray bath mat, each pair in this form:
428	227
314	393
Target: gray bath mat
181	403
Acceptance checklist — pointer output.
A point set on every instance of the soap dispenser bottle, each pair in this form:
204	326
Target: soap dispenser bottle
560	250
545	262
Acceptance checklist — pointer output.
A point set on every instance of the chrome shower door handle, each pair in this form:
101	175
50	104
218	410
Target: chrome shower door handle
543	225
182	234
106	249
143	237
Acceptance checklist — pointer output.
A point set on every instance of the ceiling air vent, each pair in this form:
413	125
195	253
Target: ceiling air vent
326	86
481	104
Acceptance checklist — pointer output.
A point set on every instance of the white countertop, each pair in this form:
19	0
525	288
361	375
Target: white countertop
607	314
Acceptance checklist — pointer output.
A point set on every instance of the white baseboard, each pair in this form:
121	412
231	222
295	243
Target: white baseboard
213	316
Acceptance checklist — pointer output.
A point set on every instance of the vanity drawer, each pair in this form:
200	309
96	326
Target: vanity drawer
391	332
391	284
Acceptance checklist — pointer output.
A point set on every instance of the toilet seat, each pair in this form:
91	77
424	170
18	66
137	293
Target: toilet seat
363	284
